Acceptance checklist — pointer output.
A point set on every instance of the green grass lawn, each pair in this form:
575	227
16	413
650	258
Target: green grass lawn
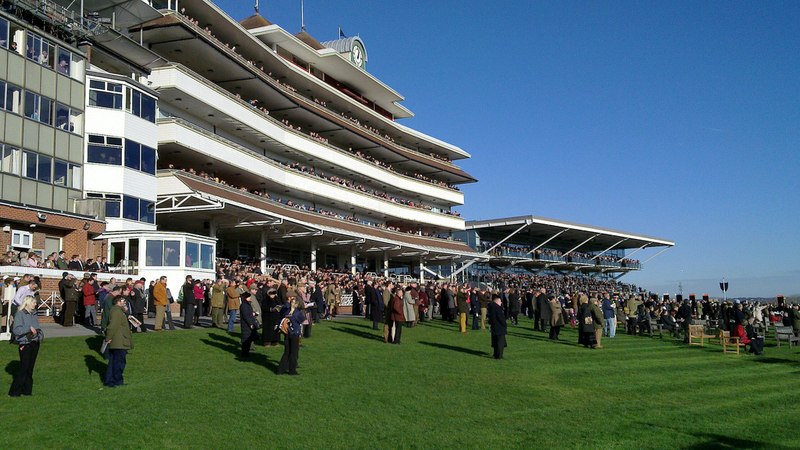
438	389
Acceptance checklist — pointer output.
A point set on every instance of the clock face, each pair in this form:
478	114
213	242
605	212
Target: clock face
358	56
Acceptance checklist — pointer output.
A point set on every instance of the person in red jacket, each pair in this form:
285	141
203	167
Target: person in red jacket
397	315
89	302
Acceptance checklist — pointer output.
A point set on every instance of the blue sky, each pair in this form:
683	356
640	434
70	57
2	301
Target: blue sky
674	119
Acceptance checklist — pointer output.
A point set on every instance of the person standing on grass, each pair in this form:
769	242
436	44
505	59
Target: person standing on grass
609	316
387	312
375	304
28	334
233	295
249	321
396	315
497	325
586	336
218	304
160	302
484	298
408	307
272	317
120	341
463	309
597	319
188	302
89	302
291	347
556	317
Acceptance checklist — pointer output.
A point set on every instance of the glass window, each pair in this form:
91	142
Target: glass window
112	208
132	154
12	98
148	160
10	160
148	108
38	108
172	251
75	121
147	212
130	208
75	177
64	61
206	256
45	171
104	150
105	95
192	254
3	33
60	173
39	50
62	116
29	164
154	253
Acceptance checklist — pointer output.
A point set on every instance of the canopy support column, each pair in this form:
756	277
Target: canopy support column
313	256
263	251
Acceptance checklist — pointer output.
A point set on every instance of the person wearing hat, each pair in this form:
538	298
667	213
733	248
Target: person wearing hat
249	321
233	303
119	340
271	308
89	301
497	326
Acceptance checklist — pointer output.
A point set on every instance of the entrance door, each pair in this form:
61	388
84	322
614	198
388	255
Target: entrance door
51	245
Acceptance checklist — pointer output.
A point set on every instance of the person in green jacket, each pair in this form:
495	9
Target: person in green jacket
794	314
119	340
108	303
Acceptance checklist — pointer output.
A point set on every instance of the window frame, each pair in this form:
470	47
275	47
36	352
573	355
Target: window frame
106	91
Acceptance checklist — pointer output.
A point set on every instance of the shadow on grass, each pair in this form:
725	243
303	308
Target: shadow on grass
12	367
234	346
716	441
93	364
543	338
454	348
359	333
95	343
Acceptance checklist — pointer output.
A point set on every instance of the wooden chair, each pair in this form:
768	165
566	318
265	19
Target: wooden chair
727	341
786	334
698	333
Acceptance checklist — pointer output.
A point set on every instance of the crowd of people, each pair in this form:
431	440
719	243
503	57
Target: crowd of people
302	206
255	103
55	260
284	304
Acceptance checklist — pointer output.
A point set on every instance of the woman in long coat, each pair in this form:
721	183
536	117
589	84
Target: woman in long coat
556	317
408	307
586	335
396	315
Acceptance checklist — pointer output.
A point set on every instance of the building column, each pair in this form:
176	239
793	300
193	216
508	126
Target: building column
385	264
313	256
263	251
212	228
421	271
353	260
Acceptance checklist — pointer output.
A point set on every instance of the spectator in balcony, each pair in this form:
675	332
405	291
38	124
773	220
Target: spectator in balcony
75	263
28	334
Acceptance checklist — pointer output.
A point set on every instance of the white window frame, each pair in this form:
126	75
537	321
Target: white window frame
18	238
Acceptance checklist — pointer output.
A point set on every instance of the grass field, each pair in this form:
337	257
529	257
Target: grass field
439	389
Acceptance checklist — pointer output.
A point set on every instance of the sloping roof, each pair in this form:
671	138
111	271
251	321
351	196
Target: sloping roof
308	39
255	21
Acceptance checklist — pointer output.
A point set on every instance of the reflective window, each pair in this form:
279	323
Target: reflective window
130	208
68	119
154	253
3	33
172	252
147	211
206	256
60	173
12	98
45	169
193	254
148	160
113	208
38	108
75	176
141	105
132	154
105	95
104	150
29	164
10	162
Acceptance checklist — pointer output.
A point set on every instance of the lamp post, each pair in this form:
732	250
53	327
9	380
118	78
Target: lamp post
724	286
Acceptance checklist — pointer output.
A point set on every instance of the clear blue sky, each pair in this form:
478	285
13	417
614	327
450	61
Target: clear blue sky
674	119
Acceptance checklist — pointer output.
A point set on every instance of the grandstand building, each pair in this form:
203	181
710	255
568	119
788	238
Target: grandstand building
539	245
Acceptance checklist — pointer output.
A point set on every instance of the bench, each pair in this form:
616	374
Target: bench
786	334
727	341
698	333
